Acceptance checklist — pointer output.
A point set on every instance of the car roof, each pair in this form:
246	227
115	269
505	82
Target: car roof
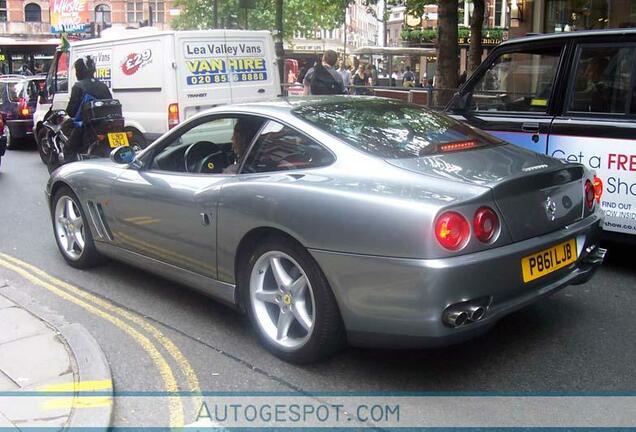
569	35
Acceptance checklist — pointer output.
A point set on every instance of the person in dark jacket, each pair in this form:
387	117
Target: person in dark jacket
86	85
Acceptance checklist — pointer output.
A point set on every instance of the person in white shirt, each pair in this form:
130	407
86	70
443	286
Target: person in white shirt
345	73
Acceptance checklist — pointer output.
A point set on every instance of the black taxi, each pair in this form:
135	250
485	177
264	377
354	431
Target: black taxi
571	96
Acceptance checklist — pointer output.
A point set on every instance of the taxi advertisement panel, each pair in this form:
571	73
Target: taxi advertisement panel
614	161
215	62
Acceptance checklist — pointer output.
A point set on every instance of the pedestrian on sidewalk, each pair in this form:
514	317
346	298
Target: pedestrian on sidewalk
409	78
360	81
345	73
324	79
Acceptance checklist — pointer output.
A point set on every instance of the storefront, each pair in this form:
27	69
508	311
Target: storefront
549	16
572	15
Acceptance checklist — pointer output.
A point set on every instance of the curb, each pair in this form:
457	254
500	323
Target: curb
91	366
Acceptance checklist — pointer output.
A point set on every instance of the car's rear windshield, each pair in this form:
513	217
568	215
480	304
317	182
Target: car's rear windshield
17	90
392	130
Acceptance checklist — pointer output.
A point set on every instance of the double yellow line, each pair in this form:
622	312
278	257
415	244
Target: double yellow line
123	319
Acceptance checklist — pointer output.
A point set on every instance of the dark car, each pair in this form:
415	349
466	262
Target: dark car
18	98
571	96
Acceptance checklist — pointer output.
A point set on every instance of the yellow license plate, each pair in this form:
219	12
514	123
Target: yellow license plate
548	260
117	139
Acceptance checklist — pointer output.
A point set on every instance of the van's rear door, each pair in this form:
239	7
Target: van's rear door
252	65
203	78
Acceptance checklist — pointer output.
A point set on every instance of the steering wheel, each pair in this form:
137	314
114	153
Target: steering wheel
197	152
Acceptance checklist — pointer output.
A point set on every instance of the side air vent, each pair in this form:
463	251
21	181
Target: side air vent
97	218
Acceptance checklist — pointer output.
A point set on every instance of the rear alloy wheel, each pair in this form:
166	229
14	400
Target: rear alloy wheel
72	233
290	303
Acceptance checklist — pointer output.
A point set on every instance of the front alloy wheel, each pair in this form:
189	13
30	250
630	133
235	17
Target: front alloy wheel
72	233
69	228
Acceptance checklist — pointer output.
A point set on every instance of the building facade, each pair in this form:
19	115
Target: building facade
360	29
32	18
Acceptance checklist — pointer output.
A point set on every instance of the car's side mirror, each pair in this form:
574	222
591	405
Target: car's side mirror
122	155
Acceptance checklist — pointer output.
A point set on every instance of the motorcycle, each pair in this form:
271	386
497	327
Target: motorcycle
103	130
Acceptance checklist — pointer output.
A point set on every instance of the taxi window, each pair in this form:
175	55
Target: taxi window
517	82
602	80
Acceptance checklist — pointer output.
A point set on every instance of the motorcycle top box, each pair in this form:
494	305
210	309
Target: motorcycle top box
105	109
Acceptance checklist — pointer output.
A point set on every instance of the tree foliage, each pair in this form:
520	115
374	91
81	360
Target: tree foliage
304	16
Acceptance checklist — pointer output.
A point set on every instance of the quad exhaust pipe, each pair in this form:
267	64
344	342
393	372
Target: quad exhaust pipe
463	313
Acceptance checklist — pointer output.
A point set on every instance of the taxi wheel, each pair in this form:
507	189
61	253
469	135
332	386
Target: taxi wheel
72	231
289	302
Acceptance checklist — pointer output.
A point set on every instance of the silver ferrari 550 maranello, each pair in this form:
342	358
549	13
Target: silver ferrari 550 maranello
338	220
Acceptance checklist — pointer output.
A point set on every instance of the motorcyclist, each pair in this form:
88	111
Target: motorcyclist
86	87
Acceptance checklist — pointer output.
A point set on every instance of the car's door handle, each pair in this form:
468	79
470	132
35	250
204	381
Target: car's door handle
261	90
530	127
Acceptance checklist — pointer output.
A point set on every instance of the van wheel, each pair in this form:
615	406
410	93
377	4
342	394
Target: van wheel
138	142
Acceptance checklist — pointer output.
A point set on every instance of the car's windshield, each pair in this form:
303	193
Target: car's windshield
392	130
21	90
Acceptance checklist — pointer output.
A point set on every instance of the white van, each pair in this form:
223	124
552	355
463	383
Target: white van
162	78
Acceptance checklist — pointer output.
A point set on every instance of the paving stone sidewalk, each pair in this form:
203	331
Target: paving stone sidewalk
37	359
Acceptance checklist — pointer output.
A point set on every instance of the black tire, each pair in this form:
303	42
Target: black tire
53	162
39	138
328	335
138	141
89	256
12	142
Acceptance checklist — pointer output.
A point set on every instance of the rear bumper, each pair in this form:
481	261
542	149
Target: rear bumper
20	128
394	302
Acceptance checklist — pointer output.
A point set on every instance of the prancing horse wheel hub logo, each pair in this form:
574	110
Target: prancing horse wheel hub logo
287	299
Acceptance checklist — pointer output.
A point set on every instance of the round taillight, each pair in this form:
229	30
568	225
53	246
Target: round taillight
589	195
485	224
598	189
452	230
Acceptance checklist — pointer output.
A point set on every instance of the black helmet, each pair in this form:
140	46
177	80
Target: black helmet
84	68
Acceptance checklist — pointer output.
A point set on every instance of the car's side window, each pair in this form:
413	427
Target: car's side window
281	148
602	80
205	148
519	81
